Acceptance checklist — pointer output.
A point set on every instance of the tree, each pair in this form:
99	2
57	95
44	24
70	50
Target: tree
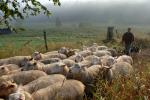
12	9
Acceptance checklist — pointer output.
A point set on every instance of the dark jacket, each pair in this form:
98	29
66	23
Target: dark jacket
128	38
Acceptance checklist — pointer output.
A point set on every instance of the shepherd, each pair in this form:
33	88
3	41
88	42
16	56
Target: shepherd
127	40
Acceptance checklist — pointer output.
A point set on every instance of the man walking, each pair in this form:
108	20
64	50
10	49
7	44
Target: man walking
127	40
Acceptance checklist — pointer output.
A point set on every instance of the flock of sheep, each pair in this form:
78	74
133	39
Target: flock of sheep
65	74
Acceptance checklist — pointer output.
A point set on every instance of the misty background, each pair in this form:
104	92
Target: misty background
96	13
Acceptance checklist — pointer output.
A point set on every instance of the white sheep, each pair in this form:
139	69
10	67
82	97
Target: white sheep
119	69
101	53
125	58
40	56
51	52
112	51
85	75
43	82
54	68
77	58
18	60
85	63
95	60
85	53
68	62
93	48
68	52
67	90
107	60
6	88
102	47
50	60
8	69
23	77
63	50
20	95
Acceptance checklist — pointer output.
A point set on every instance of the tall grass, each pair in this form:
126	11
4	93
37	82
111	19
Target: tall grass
135	87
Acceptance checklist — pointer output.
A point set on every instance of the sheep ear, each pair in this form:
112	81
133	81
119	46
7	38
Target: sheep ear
11	86
115	57
34	63
83	68
31	59
21	69
12	81
76	53
3	68
63	65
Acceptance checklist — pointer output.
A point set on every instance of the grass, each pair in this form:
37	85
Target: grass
136	87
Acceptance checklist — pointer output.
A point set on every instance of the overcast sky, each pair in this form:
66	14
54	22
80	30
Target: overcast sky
117	12
106	1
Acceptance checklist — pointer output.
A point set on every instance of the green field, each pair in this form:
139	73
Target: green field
32	39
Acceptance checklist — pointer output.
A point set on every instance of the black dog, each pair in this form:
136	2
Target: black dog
134	49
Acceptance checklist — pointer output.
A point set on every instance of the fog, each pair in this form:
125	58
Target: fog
104	12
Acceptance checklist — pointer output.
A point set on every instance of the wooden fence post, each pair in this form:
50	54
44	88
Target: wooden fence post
110	33
45	39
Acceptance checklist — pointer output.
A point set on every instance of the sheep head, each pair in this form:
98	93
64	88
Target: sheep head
37	55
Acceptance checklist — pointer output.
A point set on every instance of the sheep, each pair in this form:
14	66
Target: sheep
107	60
77	58
23	77
20	95
68	52
50	60
40	56
54	68
118	69
18	60
85	75
125	58
68	62
63	50
93	59
6	88
7	69
51	52
43	82
92	48
90	60
85	63
101	53
33	65
67	90
102	47
122	68
11	66
85	53
113	52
